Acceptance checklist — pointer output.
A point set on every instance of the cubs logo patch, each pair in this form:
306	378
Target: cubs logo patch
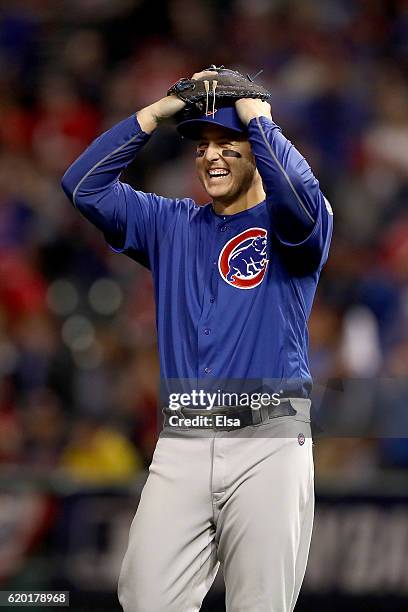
242	262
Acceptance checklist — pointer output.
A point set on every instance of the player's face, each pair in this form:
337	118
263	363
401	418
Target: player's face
225	164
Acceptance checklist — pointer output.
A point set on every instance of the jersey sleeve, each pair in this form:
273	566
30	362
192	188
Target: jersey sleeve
302	218
132	221
148	218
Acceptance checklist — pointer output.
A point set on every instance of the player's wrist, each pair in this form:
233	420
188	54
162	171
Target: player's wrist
151	116
147	120
249	109
248	118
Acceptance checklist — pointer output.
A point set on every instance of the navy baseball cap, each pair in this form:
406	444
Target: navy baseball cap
226	117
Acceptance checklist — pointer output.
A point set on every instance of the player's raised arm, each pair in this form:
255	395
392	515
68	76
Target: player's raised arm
297	202
92	181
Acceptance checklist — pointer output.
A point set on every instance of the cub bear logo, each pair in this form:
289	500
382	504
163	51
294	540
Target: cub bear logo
242	262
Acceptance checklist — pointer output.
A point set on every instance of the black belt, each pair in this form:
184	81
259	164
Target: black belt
225	418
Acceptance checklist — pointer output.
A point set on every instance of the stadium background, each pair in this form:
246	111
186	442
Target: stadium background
78	364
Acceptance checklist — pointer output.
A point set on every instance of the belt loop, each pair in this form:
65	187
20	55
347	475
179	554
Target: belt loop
256	416
265	416
302	406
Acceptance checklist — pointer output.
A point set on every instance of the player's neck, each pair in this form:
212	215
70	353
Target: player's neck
255	195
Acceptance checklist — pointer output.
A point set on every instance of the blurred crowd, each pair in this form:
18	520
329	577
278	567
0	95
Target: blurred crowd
78	361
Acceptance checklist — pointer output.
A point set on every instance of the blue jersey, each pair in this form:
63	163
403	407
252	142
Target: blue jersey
234	292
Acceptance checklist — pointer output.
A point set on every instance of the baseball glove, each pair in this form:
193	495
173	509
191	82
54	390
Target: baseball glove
223	89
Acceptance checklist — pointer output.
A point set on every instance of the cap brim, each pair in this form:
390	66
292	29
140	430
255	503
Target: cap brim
192	128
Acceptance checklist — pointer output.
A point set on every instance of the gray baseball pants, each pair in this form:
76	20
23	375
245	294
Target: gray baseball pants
243	499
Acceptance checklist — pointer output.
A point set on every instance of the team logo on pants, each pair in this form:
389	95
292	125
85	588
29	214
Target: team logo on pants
242	262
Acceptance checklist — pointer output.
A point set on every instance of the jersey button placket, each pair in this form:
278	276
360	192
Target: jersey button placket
206	338
207	314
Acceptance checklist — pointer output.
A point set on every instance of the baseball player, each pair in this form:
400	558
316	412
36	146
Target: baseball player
234	284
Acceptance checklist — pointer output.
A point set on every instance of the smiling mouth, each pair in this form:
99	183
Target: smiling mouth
217	173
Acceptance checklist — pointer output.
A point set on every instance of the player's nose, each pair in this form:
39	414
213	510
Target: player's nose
213	152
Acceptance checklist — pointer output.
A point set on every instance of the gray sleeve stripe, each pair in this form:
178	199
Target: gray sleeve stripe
98	164
282	169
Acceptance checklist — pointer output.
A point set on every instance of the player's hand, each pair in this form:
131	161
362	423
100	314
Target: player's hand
151	116
170	105
249	108
203	74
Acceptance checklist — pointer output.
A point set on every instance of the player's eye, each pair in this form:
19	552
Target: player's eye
200	152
